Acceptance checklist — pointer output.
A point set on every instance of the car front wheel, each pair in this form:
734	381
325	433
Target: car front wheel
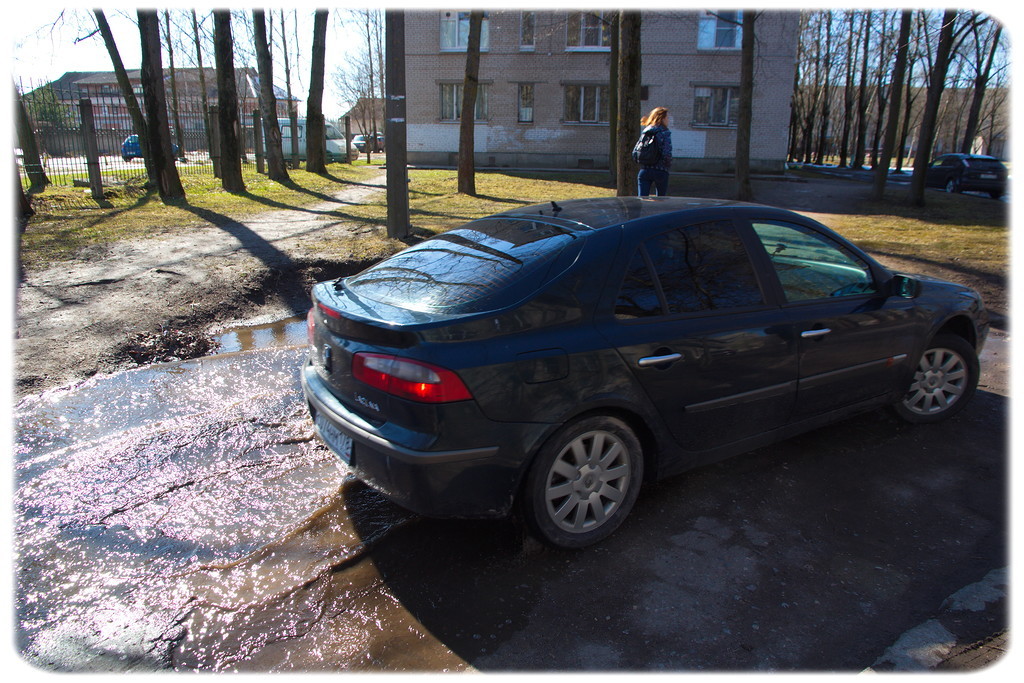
943	383
583	482
952	185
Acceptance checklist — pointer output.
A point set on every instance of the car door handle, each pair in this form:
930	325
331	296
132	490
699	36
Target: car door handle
657	360
811	334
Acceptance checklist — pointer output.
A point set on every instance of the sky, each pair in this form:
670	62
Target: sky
45	46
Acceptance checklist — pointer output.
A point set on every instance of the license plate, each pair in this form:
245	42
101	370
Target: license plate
988	176
340	443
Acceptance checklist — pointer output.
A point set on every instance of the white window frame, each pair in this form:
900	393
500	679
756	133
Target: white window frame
708	92
713	31
523	17
521	107
603	36
599	103
481	112
454	31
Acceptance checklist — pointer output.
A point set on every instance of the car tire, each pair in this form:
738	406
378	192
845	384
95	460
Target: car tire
583	482
996	194
952	185
944	381
127	158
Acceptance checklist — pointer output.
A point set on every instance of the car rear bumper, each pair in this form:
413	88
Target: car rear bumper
468	483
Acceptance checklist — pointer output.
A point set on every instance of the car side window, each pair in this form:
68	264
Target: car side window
698	268
810	266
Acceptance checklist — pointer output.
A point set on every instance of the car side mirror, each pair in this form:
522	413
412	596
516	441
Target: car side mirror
904	287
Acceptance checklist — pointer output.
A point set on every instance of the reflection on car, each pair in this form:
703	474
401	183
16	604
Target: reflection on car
968	172
550	359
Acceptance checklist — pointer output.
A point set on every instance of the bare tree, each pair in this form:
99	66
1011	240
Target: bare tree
202	80
895	90
981	79
467	122
293	114
276	169
860	143
316	141
167	181
227	103
127	92
174	85
936	84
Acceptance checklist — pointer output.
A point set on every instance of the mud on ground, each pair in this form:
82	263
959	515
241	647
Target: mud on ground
132	302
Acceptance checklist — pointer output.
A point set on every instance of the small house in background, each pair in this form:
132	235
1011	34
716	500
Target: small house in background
544	77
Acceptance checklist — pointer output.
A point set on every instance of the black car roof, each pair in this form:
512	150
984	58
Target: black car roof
603	212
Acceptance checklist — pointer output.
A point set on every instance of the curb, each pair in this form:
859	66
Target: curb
968	633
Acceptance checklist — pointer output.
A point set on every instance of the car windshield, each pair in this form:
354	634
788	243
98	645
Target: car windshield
482	266
332	132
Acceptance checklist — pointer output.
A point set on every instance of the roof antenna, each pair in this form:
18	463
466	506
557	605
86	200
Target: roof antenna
555	207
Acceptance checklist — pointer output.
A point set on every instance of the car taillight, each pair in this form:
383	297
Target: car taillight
310	324
409	379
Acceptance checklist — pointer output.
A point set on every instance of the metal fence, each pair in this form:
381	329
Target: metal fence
63	138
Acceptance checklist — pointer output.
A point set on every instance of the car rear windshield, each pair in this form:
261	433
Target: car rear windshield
986	164
485	265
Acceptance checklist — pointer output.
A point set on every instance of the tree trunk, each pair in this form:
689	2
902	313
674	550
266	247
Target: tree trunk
826	100
128	93
30	148
896	91
276	169
629	102
316	143
844	144
159	134
936	85
227	103
744	191
467	122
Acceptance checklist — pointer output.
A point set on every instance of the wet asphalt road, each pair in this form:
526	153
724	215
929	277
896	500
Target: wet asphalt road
184	517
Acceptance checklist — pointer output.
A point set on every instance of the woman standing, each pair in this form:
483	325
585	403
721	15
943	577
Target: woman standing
654	164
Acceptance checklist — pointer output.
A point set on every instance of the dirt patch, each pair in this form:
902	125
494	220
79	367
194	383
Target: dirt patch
146	300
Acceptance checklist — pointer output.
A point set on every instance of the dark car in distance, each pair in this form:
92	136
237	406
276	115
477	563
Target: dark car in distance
968	172
132	149
550	359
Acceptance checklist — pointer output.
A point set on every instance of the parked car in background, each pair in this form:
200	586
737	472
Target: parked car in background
132	149
335	142
360	142
551	358
966	172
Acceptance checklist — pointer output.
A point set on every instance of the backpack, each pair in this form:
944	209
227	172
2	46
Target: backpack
647	151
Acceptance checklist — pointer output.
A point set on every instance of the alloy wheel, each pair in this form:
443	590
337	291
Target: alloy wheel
939	382
587	481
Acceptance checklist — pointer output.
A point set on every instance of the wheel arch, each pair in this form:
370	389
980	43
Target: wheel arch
961	326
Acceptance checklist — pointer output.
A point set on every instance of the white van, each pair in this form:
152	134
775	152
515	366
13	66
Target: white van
335	140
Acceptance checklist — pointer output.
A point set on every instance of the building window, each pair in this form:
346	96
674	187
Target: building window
587	31
586	103
451	102
716	106
720	31
527	25
525	103
455	32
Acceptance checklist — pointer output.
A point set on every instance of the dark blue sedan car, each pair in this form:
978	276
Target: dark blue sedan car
131	149
552	358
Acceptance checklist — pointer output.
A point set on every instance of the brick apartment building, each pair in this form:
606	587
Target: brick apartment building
544	87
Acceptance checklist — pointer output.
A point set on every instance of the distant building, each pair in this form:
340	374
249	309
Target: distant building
111	112
544	86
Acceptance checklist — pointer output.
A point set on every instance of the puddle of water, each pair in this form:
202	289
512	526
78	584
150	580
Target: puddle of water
287	332
182	516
